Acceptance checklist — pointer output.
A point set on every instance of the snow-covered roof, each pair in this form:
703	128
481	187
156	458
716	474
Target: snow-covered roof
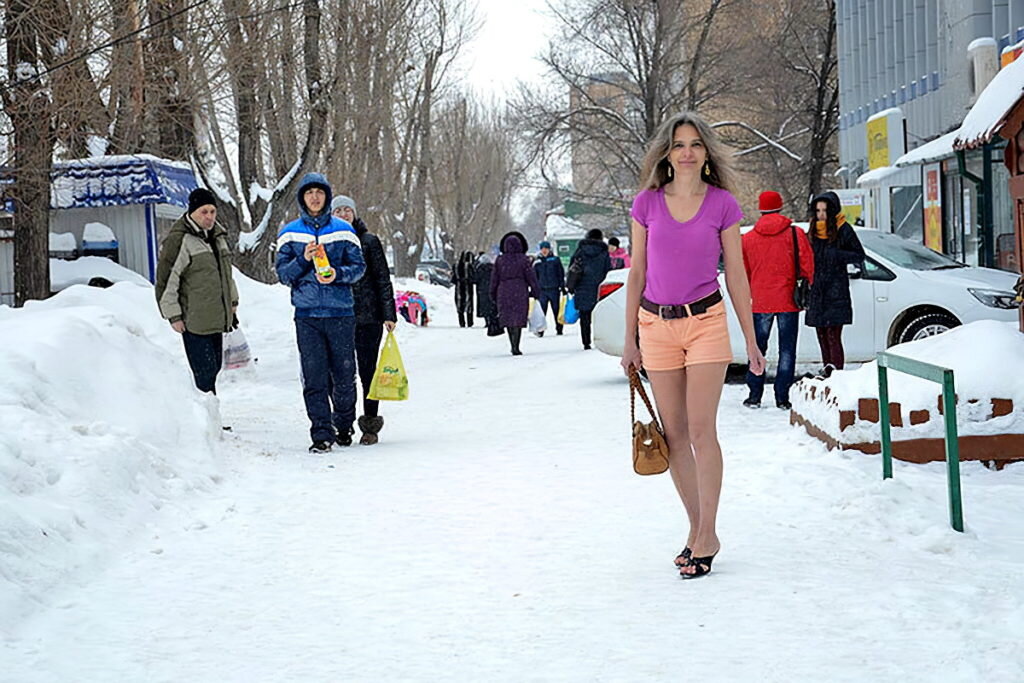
559	226
989	112
939	148
885	112
890	176
63	241
120	181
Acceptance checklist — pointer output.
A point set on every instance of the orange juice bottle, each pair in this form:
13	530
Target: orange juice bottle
320	262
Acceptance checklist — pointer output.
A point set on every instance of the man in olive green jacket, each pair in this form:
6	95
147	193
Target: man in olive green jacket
194	287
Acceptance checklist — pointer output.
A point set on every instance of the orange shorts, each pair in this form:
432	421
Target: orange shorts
677	343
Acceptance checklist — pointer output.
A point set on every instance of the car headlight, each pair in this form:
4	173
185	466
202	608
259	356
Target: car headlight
994	297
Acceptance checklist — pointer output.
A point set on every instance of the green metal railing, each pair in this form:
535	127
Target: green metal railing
934	373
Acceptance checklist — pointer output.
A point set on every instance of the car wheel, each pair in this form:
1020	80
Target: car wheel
100	282
926	325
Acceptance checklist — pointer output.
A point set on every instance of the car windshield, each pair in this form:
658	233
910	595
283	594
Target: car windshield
905	253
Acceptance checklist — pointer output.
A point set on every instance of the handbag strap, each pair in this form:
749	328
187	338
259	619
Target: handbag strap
636	387
796	254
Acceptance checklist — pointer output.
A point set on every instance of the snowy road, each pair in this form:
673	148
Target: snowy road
497	533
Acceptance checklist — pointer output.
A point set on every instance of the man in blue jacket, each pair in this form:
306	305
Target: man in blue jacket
551	276
324	310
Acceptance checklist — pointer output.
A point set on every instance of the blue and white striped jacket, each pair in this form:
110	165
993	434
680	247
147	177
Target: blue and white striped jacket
310	298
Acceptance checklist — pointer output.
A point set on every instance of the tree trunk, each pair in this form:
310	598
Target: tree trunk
29	109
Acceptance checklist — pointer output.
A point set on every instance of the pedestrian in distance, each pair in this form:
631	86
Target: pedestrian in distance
463	278
485	305
513	282
619	256
835	246
194	288
375	311
551	278
588	267
325	319
684	218
768	255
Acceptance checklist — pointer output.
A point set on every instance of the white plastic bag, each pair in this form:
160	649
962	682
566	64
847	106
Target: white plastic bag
538	322
236	350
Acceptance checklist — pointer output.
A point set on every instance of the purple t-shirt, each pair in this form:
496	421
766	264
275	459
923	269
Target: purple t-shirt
682	258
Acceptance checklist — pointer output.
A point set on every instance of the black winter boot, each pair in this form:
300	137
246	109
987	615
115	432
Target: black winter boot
370	427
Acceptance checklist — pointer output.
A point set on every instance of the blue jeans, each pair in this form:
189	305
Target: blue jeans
788	327
327	356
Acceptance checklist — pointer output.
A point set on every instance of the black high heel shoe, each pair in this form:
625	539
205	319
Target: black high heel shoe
702	565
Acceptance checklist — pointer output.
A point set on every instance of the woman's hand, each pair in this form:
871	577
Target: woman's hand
390	325
631	357
756	359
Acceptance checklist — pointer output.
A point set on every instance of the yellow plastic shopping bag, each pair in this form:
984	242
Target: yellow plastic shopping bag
390	383
561	310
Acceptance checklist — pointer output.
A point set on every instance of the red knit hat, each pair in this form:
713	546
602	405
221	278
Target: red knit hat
769	201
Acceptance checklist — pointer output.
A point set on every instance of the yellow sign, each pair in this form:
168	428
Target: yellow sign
878	142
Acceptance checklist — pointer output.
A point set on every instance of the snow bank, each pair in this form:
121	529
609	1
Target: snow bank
63	273
985	356
100	425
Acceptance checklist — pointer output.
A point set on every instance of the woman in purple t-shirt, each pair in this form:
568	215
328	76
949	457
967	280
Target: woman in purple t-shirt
683	219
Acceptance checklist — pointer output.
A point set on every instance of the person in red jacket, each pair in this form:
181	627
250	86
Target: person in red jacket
768	254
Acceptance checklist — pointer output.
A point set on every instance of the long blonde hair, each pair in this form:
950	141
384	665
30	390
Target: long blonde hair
656	169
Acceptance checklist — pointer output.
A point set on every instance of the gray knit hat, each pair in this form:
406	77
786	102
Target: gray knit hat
340	201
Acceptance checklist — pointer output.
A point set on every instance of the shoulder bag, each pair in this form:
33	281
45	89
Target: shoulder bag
801	293
650	449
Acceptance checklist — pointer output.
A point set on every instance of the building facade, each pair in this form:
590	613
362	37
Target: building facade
909	71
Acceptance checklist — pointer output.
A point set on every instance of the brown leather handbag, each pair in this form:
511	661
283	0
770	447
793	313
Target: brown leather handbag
650	449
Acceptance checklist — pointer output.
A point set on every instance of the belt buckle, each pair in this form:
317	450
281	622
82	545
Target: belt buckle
661	311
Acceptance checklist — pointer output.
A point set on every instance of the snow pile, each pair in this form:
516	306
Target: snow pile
978	376
100	425
63	274
63	241
97	232
993	104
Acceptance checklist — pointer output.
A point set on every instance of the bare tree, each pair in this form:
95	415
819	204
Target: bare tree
473	175
794	97
27	104
255	206
624	64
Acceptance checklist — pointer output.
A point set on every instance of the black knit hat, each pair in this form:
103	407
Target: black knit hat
200	197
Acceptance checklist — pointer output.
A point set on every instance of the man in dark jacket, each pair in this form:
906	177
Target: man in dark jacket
194	287
324	310
587	269
375	310
772	268
463	278
551	277
485	306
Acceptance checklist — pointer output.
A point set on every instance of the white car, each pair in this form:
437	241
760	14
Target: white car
904	292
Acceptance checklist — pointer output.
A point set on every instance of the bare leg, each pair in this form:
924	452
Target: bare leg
670	396
703	391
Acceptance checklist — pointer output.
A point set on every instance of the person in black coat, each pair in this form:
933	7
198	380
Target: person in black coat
587	269
513	282
551	277
485	306
463	277
375	310
835	245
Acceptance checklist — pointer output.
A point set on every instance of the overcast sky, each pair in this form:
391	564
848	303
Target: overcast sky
513	33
